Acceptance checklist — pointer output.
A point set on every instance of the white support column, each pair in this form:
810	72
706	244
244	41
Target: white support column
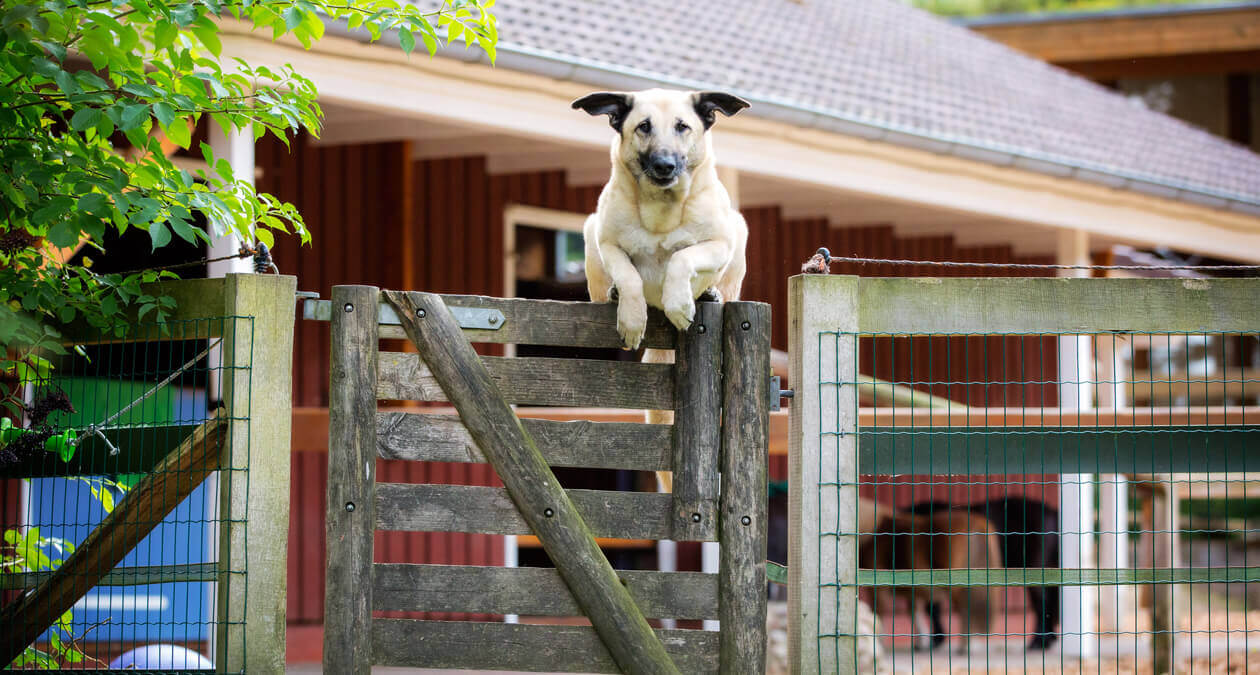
238	149
1112	354
1076	491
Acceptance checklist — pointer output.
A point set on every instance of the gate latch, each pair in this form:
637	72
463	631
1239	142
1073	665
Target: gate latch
776	393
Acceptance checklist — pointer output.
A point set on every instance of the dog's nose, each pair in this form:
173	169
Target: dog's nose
663	166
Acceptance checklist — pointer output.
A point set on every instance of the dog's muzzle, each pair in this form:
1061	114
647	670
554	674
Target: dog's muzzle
662	168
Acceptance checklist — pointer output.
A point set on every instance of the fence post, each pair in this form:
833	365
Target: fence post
823	472
351	491
254	476
742	521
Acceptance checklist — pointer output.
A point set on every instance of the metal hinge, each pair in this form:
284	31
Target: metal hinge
776	393
476	318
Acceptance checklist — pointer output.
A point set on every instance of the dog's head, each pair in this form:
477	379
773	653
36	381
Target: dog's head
664	134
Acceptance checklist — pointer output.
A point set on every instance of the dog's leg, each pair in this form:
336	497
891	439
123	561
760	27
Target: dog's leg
678	295
598	284
631	306
938	626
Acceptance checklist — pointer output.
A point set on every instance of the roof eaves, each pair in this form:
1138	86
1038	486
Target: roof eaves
613	76
1026	18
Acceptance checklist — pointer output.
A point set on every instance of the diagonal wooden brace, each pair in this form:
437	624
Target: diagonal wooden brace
145	505
533	488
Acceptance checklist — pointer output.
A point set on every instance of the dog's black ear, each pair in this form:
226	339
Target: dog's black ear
614	104
709	101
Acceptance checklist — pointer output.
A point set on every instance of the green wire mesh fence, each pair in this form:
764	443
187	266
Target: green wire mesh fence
1025	518
113	471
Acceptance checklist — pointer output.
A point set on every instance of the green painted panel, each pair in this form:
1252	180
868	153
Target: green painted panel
1024	450
1052	576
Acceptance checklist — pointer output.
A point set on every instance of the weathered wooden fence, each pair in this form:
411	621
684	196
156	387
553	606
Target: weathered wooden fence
248	321
719	391
1076	437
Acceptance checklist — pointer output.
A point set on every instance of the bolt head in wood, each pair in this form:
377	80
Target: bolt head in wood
745	521
548	513
420	313
746	325
701	329
695	517
349	506
349	307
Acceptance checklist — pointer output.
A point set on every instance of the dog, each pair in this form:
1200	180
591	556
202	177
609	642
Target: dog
1028	532
948	539
664	232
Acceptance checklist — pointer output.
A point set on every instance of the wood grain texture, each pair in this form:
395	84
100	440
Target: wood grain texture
522	647
551	322
540	381
697	421
146	504
1045	305
545	507
533	591
743	519
446	508
582	443
351	481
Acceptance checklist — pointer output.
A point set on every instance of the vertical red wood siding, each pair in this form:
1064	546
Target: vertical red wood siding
377	217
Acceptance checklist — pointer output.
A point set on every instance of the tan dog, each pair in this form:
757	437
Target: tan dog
947	539
664	231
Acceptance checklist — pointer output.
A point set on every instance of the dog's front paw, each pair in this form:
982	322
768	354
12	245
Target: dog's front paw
631	321
710	295
680	310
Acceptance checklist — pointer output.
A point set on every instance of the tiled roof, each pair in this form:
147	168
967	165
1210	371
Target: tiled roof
884	64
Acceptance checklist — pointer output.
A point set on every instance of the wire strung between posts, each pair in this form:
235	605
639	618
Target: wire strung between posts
263	262
97	429
941	263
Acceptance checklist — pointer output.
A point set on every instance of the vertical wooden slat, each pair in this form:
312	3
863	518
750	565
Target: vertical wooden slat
351	481
745	439
697	373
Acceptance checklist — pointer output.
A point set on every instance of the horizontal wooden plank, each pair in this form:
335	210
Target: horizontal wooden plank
468	508
552	322
532	591
1053	576
1025	450
604	445
541	381
522	647
530	541
1049	305
124	576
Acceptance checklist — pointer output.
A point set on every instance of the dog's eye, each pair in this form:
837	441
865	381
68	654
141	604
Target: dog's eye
645	127
681	127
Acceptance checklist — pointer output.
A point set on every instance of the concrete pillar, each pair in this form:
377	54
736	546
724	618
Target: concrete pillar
1076	491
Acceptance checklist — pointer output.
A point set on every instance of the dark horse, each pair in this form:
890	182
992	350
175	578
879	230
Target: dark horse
1029	533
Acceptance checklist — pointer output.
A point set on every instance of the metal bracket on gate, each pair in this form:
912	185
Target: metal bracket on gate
477	318
776	393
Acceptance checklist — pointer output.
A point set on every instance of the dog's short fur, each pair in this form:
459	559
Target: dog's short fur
949	539
664	231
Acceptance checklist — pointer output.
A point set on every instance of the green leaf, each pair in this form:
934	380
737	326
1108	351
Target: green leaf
208	33
85	118
407	40
164	33
164	113
133	115
63	235
292	17
160	235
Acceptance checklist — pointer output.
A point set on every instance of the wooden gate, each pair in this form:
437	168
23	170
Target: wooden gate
719	391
